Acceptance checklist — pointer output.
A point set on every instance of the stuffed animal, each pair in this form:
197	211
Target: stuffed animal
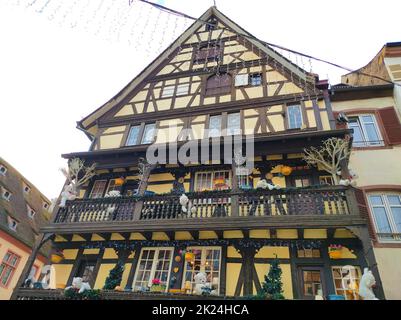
79	285
366	284
263	184
350	181
202	286
113	194
67	194
184	202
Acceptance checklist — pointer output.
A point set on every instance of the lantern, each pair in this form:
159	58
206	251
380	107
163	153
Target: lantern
119	182
189	257
286	170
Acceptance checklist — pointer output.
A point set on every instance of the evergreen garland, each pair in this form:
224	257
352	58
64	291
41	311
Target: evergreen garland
115	276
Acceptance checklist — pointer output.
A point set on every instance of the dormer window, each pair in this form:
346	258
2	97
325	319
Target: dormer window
141	134
211	25
45	205
218	84
26	188
31	212
6	194
12	223
3	170
255	79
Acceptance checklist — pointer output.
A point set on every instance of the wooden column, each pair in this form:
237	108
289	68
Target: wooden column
246	277
40	241
145	169
235	188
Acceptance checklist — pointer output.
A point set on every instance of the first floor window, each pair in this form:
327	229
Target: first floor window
294	114
386	210
154	263
86	270
366	131
206	260
326	180
346	281
111	186
98	189
8	267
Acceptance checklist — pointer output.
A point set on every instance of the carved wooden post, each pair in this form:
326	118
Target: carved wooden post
144	169
235	189
40	241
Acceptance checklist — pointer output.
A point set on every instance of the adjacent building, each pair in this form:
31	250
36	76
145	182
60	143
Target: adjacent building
372	106
23	210
215	83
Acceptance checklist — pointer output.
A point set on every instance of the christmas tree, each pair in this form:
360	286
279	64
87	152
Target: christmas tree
272	287
115	277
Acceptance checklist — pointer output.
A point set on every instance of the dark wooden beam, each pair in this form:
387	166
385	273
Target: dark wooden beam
220	234
147	235
170	234
273	233
194	234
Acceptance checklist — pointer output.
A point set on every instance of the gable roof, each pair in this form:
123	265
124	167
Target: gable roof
90	120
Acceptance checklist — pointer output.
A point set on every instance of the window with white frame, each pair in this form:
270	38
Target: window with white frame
294	115
30	211
366	131
6	194
233	123
386	211
215	126
346	281
111	186
168	91
3	170
206	260
182	89
12	223
213	180
149	133
8	267
154	263
98	189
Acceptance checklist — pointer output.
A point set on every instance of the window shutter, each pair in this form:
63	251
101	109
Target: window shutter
339	125
391	124
364	211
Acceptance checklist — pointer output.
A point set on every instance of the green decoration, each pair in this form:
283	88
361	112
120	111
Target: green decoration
115	277
73	294
272	287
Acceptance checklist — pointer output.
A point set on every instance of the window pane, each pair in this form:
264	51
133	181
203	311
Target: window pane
233	124
396	211
376	200
133	136
394	200
215	126
256	79
149	133
372	133
294	117
382	223
97	189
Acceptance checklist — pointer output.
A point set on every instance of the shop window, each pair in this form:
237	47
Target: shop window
154	263
312	282
206	260
346	281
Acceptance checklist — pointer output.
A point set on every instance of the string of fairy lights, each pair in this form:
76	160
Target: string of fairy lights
150	27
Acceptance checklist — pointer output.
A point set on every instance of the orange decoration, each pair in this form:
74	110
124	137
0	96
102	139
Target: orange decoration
286	170
189	256
119	181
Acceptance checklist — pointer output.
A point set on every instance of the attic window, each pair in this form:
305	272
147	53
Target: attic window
218	84
6	194
255	79
3	170
208	53
182	89
27	189
45	205
31	212
168	92
211	25
12	223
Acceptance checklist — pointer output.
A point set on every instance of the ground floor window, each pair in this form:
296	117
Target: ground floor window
311	282
8	267
346	281
86	270
206	260
154	263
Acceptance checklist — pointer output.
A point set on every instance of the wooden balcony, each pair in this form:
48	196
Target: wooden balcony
324	206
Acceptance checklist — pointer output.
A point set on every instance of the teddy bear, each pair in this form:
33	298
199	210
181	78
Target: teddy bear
67	194
184	202
78	284
202	286
351	181
366	284
263	184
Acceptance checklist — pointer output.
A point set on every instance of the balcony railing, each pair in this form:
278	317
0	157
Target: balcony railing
204	205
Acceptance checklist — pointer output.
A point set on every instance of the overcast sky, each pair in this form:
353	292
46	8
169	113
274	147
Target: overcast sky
62	59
